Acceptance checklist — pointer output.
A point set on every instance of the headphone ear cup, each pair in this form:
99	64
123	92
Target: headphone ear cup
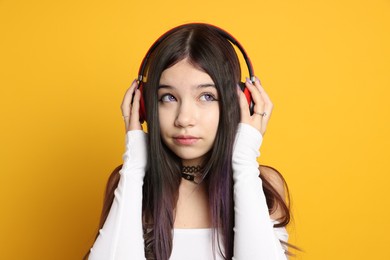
142	110
248	97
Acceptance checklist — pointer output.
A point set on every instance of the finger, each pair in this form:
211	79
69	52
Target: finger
266	98
244	107
268	105
126	102
256	97
134	123
258	109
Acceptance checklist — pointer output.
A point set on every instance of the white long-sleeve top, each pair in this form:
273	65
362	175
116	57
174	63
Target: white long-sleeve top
121	236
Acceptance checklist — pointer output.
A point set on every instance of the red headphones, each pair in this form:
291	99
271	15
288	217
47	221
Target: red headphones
225	35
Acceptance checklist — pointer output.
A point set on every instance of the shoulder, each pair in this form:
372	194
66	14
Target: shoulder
274	179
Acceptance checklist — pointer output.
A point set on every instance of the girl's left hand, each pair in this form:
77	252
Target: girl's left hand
262	108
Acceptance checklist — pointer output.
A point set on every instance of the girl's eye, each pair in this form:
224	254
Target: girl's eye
167	98
207	97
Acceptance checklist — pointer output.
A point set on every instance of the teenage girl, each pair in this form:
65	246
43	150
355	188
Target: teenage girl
191	187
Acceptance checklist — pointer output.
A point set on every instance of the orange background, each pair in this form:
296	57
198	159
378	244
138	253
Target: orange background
64	67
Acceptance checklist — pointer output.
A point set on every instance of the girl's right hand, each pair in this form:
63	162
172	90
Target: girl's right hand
130	108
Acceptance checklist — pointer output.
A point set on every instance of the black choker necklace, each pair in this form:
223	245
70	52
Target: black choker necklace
190	172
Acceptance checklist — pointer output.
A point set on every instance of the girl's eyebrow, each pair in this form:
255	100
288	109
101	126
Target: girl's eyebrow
165	86
205	85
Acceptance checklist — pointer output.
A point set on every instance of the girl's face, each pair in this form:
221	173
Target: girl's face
188	111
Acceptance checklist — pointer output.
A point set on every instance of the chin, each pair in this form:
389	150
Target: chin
194	158
196	154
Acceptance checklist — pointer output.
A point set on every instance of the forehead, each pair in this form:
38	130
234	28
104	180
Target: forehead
184	73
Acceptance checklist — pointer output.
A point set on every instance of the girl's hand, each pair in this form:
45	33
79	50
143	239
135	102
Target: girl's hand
262	108
130	108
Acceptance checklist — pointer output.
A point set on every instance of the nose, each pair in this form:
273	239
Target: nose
186	115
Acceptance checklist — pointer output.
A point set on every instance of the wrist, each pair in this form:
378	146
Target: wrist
246	148
248	136
136	149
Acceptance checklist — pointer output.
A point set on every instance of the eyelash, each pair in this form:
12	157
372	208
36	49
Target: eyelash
161	99
209	95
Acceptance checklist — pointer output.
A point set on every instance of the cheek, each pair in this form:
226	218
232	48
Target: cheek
211	119
163	132
162	124
165	123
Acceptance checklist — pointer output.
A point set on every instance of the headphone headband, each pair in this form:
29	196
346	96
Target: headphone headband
220	31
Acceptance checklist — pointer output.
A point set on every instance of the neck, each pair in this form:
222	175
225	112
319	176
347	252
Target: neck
192	173
192	208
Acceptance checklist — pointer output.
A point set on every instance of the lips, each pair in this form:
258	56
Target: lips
185	139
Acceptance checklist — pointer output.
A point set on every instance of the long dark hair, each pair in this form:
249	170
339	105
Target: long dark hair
207	50
202	46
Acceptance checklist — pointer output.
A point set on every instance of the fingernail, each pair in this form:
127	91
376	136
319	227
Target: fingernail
248	80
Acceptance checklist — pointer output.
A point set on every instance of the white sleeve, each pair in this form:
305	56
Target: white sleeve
121	236
255	238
